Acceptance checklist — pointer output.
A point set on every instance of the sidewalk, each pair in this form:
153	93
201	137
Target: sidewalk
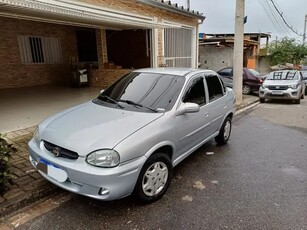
29	184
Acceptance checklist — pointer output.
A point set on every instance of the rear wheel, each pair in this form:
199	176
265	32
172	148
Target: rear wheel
246	89
224	133
262	100
154	178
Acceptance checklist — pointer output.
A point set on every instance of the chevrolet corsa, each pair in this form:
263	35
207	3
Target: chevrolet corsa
128	139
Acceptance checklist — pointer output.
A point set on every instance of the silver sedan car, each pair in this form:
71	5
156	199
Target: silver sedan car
128	139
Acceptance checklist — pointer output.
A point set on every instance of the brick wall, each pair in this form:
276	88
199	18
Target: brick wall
13	73
104	77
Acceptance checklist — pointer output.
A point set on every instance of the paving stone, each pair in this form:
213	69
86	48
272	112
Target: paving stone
4	227
35	175
20	165
22	178
1	199
21	183
28	168
13	193
17	172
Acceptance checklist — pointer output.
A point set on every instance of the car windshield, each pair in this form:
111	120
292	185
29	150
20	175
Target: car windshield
148	92
283	75
254	72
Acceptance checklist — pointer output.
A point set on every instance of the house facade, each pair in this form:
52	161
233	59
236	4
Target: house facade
216	50
43	41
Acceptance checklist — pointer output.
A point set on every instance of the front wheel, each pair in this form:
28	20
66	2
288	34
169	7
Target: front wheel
154	178
224	133
262	100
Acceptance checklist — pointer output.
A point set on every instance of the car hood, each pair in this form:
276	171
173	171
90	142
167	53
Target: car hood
90	127
280	82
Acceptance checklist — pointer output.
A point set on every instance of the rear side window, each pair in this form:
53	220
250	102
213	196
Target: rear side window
215	89
196	92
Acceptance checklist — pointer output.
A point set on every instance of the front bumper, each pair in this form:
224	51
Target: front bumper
84	179
291	94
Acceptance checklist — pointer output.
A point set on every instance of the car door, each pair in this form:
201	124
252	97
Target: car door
226	76
192	128
217	104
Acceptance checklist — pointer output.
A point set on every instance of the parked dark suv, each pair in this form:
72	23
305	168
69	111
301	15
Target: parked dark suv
251	83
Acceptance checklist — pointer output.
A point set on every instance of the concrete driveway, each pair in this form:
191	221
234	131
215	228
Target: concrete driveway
25	107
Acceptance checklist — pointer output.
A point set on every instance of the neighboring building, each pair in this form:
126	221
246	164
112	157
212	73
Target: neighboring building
42	41
216	50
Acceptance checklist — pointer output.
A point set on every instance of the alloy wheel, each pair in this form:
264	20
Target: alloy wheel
227	130
155	179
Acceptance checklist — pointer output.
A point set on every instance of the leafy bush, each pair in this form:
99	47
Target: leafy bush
6	151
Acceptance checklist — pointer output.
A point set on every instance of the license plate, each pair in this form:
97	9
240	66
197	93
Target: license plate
51	170
277	92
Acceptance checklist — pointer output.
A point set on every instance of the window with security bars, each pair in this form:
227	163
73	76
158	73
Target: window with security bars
44	50
178	47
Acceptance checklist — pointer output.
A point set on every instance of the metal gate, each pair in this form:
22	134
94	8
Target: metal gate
178	47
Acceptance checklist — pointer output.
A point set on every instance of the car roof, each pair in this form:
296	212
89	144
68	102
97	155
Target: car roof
285	71
173	70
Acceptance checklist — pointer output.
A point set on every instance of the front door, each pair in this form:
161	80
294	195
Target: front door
192	128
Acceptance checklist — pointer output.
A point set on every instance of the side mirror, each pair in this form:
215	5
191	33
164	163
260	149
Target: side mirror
187	108
101	91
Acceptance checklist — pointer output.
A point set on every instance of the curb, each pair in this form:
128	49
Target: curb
247	107
23	201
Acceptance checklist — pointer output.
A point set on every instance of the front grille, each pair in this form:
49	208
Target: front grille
278	87
60	152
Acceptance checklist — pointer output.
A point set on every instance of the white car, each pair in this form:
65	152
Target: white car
283	84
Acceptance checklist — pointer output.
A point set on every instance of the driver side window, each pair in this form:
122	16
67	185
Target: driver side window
196	92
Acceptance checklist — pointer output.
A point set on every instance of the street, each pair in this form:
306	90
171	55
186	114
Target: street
256	181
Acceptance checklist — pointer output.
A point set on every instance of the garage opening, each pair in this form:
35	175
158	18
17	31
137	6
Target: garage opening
129	49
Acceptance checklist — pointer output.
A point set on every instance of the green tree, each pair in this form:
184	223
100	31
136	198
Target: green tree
286	50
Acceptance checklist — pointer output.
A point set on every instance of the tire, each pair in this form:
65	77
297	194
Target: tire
246	89
224	133
151	176
262	100
303	96
298	101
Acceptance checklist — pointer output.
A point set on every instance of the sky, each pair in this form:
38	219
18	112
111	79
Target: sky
261	16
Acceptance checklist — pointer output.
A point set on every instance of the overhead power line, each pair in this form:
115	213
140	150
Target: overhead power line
284	20
273	16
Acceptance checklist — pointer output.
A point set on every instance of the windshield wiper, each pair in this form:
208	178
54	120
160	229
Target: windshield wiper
136	104
110	99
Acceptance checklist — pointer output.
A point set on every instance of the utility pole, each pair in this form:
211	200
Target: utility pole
304	35
238	51
188	4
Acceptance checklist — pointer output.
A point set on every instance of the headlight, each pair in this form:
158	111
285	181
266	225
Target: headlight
36	135
294	86
106	158
264	86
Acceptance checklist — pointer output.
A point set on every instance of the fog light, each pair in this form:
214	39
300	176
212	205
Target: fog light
103	191
294	94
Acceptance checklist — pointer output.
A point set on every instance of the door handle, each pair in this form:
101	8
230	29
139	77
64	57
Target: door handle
225	106
206	114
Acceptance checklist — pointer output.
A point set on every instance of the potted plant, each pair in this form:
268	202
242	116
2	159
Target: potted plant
6	151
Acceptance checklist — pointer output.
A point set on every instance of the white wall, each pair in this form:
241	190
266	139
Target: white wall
214	58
